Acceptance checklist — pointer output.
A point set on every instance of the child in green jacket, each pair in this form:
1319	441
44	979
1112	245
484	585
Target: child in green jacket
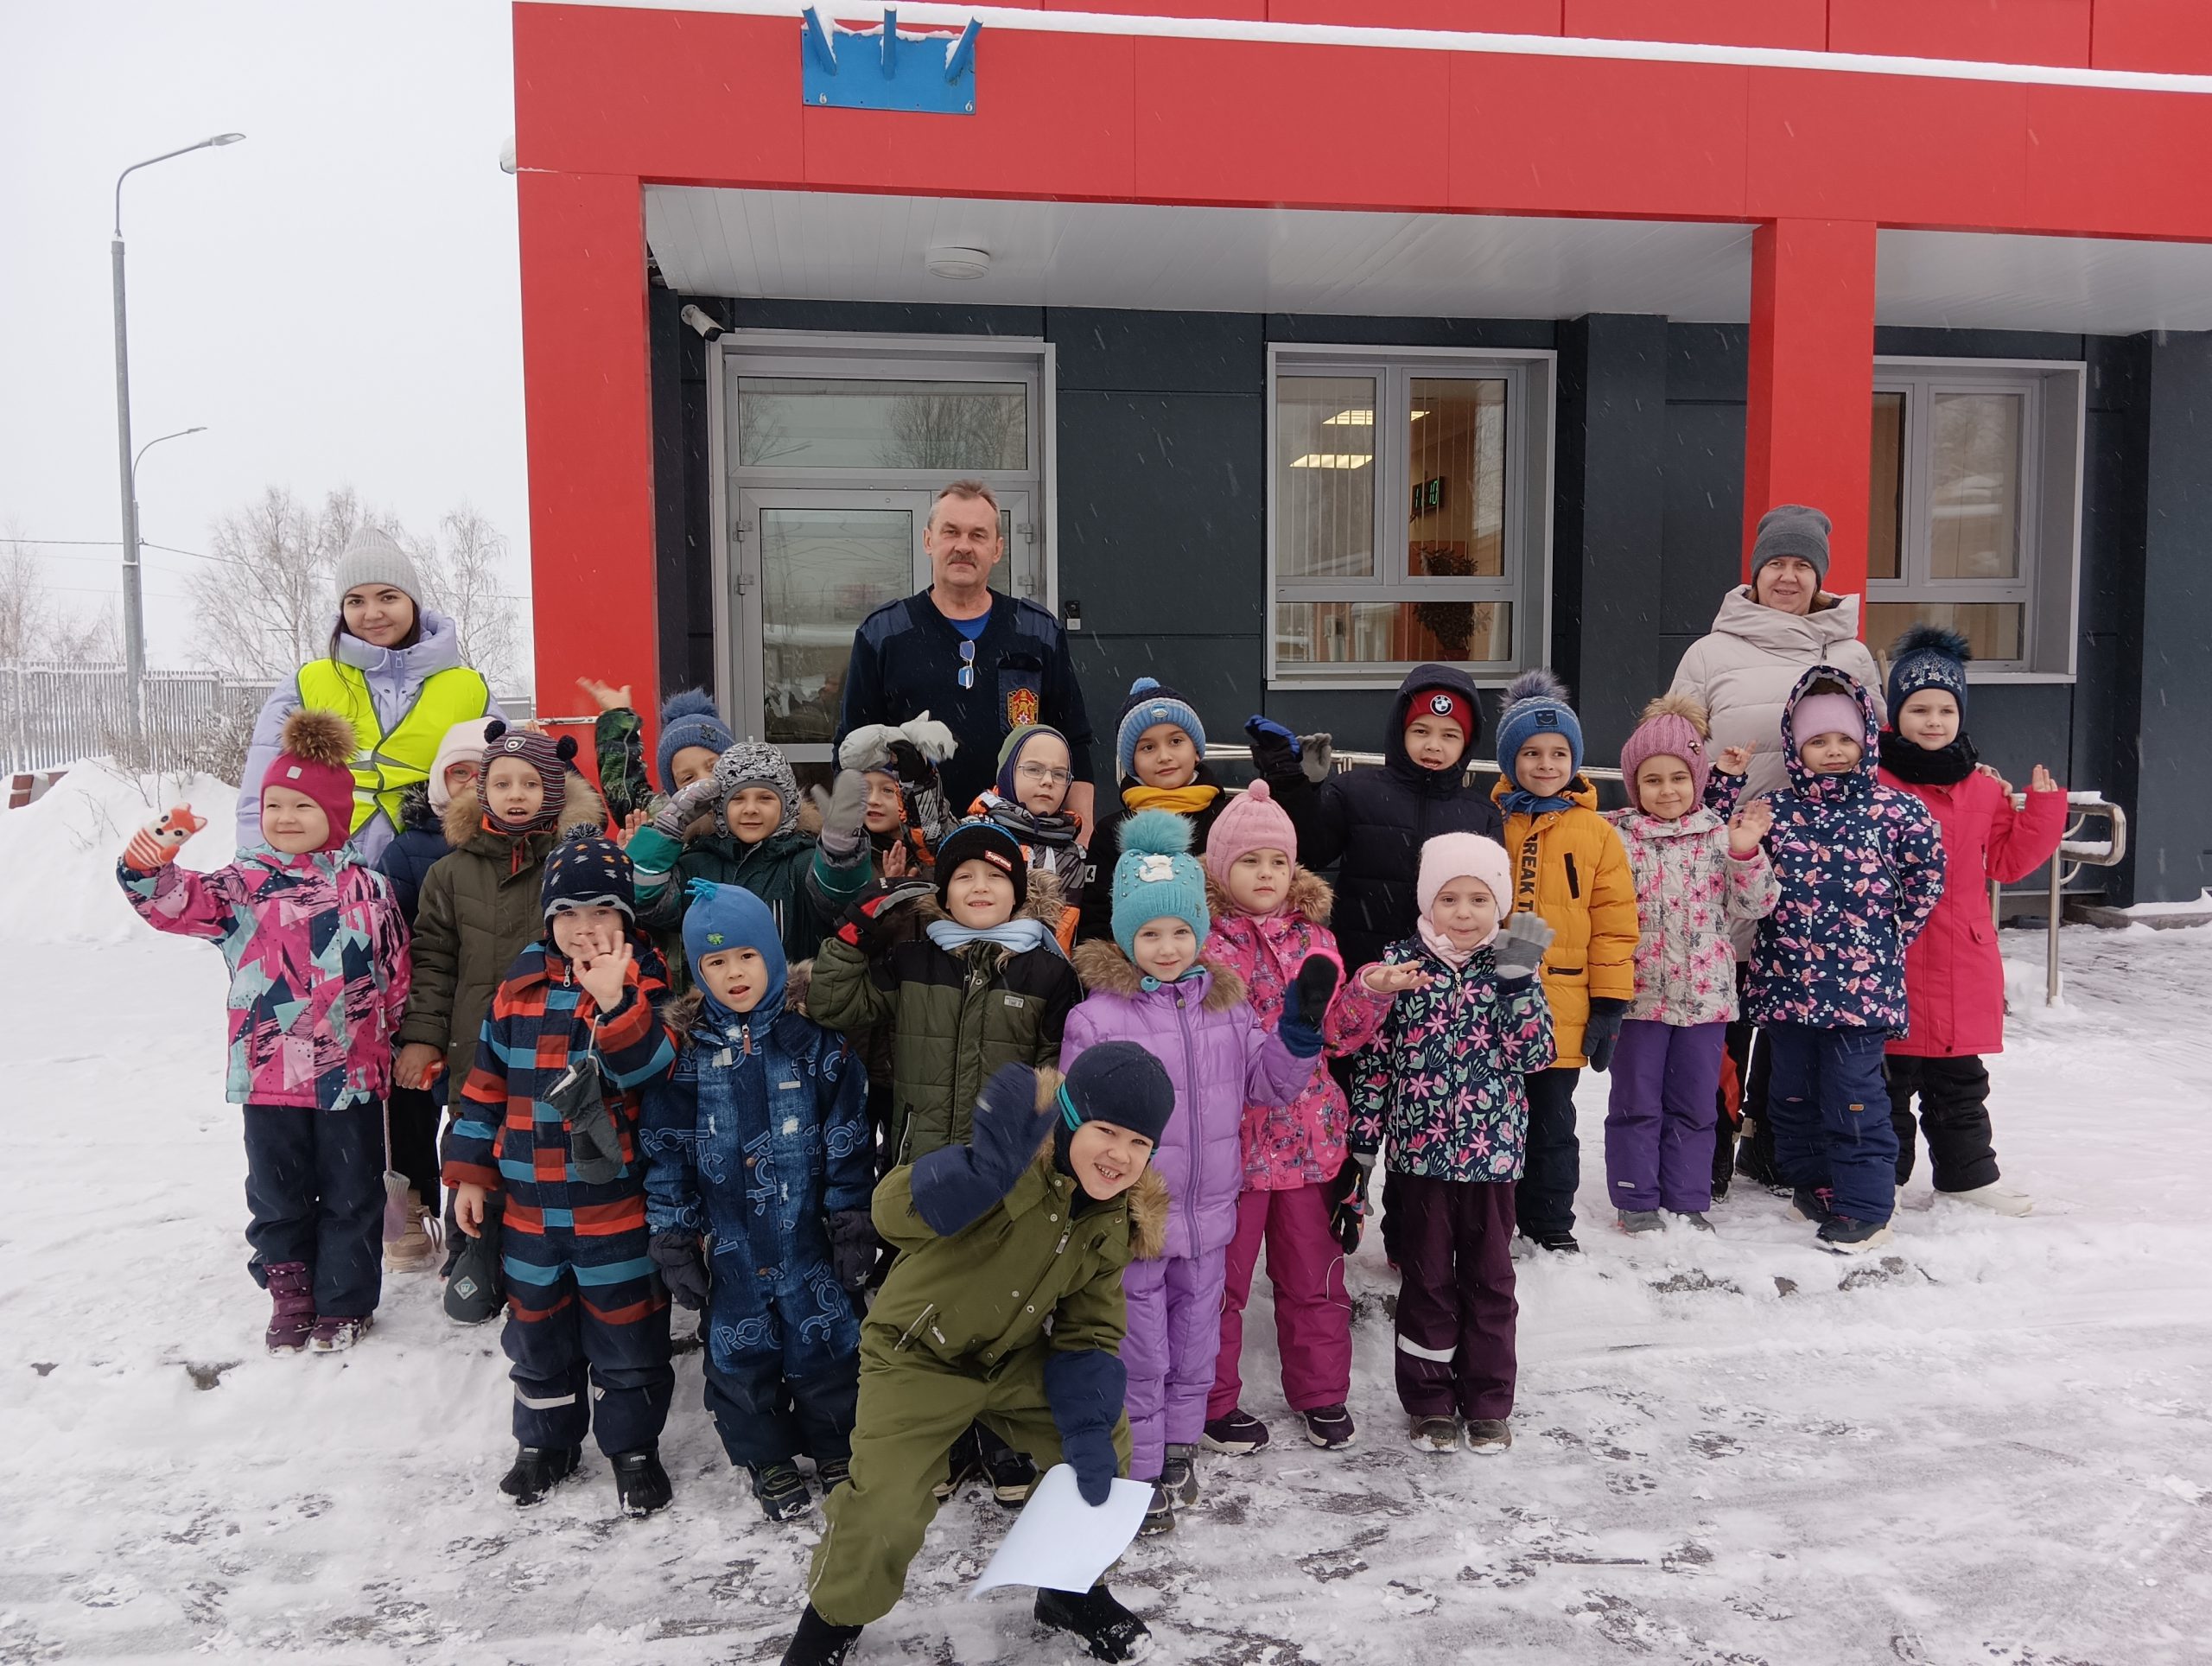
1050	1202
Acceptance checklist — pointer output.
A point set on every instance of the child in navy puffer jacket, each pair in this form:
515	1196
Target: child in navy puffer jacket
1860	869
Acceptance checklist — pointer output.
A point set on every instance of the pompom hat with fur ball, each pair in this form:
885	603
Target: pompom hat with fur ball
1158	878
317	751
687	719
1535	704
1673	726
1927	657
1253	821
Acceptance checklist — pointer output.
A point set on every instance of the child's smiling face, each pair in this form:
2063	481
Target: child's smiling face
1465	912
1165	948
1106	1158
886	811
1832	754
1544	765
979	895
513	789
1665	788
755	813
735	977
1165	756
291	821
1040	779
1434	743
586	933
1258	880
1929	719
690	763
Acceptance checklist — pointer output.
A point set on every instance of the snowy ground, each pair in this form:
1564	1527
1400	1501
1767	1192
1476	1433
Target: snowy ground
1994	1447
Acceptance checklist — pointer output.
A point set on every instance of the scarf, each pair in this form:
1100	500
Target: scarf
1519	801
1190	800
1152	985
1923	766
1016	937
1441	946
1054	827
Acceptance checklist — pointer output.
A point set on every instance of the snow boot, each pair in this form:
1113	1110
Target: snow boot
537	1471
1011	1475
964	1463
640	1483
1111	1630
291	1297
1237	1434
1489	1435
1179	1474
1810	1203
1159	1514
1642	1220
1693	1218
832	1472
1330	1428
1436	1433
1560	1244
781	1490
817	1643
1840	1234
414	1250
1996	1198
335	1335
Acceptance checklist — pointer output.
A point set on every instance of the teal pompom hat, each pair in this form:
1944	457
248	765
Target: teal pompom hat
1158	878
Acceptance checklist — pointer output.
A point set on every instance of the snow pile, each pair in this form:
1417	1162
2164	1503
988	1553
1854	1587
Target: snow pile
58	853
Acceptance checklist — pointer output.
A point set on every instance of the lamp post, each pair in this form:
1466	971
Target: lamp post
134	622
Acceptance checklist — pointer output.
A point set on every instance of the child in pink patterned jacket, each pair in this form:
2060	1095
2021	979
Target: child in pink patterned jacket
1698	873
1269	915
319	971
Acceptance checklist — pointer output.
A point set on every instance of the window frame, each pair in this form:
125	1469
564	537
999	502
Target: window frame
1526	536
2053	424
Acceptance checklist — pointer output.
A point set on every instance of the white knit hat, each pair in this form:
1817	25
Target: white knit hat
464	744
370	556
1450	856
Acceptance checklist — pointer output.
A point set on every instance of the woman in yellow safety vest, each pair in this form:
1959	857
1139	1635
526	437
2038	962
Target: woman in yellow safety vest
393	672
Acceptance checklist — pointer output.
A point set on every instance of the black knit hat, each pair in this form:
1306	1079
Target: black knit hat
978	840
1118	1082
587	870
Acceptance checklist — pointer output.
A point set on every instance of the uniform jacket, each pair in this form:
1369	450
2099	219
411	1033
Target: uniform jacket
1301	1143
1220	1057
788	871
319	970
993	1289
1096	923
1953	977
1372	824
1442	1080
1859	869
407	860
954	1018
1569	866
758	1134
480	907
1688	891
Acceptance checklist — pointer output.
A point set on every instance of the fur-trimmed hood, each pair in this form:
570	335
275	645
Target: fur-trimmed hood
1103	968
681	1014
1310	897
582	807
1149	1205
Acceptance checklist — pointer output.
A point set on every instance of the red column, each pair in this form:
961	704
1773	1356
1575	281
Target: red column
1808	420
586	401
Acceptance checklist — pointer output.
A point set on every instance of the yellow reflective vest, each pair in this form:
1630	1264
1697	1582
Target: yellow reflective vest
390	762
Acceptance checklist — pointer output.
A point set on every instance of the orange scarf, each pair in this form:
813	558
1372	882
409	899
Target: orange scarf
1190	800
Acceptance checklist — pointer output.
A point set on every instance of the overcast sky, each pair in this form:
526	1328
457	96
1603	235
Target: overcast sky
334	299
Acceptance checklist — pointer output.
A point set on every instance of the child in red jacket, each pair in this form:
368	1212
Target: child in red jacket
1954	980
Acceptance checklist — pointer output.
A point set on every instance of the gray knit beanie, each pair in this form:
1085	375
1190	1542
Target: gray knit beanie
1791	529
372	558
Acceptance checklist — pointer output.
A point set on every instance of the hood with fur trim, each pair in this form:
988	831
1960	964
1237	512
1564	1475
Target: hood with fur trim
1104	968
582	807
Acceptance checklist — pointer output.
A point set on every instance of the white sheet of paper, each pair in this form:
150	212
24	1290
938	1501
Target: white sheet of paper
1060	1543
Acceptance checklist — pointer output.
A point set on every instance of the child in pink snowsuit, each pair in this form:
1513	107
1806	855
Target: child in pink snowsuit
1270	916
1149	986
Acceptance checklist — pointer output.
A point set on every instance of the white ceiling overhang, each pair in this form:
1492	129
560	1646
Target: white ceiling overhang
850	246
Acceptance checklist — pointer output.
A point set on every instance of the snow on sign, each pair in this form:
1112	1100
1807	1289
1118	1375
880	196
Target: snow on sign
929	73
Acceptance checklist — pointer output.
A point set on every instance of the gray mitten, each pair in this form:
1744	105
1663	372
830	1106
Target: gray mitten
686	807
844	817
1520	947
1317	756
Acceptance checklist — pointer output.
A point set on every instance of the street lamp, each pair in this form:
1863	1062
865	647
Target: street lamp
134	622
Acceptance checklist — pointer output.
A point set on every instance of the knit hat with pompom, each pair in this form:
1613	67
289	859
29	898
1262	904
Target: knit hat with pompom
1158	878
1673	726
313	758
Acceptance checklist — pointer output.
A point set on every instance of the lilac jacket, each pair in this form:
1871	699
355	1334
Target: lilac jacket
1220	1057
395	676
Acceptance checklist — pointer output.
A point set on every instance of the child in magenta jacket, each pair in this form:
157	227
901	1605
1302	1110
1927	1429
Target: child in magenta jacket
1270	917
1954	977
1149	986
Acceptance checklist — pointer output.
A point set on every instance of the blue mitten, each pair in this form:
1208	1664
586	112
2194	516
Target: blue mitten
1085	1390
955	1184
1305	1003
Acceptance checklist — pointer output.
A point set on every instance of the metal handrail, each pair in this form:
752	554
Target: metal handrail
1342	761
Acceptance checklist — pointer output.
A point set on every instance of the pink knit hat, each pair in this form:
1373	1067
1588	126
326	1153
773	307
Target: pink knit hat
1673	726
1449	856
1253	821
1826	714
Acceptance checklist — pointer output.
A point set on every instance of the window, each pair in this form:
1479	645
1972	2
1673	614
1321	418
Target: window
1409	513
1975	510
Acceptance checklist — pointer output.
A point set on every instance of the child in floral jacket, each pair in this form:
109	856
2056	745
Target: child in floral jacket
1270	916
1444	1082
1860	869
1697	872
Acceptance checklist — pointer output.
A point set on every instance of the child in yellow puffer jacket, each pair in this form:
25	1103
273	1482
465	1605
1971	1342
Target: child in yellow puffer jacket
1568	866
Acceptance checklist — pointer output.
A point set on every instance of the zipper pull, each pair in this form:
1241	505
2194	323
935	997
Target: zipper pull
744	1032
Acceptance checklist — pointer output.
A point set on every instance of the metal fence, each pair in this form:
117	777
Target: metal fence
53	714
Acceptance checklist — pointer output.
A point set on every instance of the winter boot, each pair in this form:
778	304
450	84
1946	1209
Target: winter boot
1111	1630
1997	1196
640	1482
1694	1219
414	1250
1489	1435
1811	1203
1237	1434
1840	1234
1330	1428
817	1643
335	1335
1011	1475
1435	1433
1642	1220
782	1490
1159	1514
291	1296
963	1464
1179	1474
1560	1244
537	1471
832	1472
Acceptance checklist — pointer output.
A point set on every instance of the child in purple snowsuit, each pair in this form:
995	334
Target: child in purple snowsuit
1149	986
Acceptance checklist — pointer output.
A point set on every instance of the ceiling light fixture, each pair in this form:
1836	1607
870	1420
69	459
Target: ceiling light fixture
950	260
1350	419
1333	459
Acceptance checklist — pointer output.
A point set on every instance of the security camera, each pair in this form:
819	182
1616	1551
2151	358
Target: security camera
699	320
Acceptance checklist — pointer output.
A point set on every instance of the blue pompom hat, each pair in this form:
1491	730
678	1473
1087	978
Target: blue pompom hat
687	719
1151	703
1158	878
1535	704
